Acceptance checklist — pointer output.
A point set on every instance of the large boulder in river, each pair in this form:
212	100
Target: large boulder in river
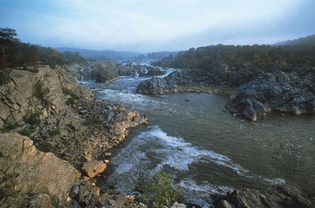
28	176
105	72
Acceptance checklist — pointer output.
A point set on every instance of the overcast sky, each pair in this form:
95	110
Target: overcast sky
152	25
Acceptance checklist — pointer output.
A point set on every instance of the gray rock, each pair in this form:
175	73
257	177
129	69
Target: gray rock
28	170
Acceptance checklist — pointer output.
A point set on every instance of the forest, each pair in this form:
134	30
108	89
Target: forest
16	53
265	57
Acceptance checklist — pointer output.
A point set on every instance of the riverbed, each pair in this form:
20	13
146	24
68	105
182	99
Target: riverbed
204	148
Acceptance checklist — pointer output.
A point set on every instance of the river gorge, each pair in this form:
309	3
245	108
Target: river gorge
203	147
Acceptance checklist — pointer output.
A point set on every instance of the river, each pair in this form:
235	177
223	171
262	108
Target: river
204	148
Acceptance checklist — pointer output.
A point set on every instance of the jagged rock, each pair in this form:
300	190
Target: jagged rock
276	91
94	168
25	171
186	80
72	131
278	197
86	194
41	92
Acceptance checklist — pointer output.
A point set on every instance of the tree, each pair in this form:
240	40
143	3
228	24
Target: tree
7	35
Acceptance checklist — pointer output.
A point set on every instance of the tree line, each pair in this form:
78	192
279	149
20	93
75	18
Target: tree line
16	53
265	57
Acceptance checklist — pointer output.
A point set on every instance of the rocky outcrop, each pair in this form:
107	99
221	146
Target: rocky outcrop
259	91
105	72
218	78
278	197
30	177
286	93
131	69
40	90
86	131
60	115
63	119
181	81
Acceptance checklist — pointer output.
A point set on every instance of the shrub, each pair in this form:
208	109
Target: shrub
3	77
54	132
52	66
41	92
160	193
34	118
93	122
9	125
27	131
70	101
69	92
90	122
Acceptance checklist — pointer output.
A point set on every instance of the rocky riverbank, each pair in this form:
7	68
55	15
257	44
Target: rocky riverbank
253	92
108	71
56	141
44	110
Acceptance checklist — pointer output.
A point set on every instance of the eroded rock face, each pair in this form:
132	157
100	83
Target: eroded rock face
278	197
62	118
35	91
278	91
25	172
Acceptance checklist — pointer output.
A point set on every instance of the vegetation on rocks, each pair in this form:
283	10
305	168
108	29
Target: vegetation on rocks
41	92
69	92
3	78
160	192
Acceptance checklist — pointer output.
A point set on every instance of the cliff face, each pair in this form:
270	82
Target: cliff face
28	91
60	117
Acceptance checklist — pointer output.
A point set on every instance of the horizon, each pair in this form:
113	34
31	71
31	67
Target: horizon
140	26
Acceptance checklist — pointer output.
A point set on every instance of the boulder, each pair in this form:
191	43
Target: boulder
94	168
25	172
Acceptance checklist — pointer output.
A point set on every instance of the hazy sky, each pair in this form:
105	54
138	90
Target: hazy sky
151	25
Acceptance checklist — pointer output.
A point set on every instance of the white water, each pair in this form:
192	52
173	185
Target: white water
152	151
250	157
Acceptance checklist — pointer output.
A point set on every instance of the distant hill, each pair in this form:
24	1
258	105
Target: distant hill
309	40
119	55
104	54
